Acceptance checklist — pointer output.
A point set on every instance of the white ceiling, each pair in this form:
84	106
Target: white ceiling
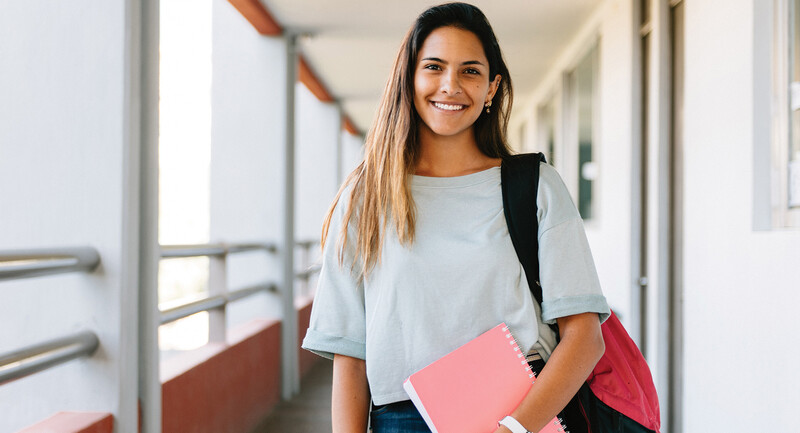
351	43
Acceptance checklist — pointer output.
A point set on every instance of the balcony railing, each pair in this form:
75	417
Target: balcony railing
219	296
17	264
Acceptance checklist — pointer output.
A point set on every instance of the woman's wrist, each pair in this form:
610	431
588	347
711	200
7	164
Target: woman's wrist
512	424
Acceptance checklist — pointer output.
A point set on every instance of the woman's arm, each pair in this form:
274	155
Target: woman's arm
350	400
574	357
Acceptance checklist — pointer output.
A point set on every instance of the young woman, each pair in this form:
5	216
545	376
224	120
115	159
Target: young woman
417	258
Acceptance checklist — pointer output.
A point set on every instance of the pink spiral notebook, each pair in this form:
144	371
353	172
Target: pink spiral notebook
474	386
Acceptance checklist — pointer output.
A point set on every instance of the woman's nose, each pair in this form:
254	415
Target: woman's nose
451	85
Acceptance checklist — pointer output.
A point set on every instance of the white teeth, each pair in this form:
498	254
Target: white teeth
448	107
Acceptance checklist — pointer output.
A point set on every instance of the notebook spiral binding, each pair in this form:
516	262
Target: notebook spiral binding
560	425
513	342
558	422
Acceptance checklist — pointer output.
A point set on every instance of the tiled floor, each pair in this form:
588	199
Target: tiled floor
309	411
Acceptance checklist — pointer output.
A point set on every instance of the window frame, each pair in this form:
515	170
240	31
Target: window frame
783	216
570	121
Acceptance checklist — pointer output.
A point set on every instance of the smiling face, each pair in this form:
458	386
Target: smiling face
451	83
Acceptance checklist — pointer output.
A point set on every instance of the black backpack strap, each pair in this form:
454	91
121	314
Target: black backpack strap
520	185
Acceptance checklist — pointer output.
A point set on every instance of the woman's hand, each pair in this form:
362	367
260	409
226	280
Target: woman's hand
350	398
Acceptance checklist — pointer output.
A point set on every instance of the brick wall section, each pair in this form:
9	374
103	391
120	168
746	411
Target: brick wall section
306	359
74	422
229	391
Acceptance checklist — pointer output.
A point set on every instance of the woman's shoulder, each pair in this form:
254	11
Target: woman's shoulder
551	185
553	201
548	174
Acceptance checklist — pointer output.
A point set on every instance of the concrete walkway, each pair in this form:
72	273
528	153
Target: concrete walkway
307	412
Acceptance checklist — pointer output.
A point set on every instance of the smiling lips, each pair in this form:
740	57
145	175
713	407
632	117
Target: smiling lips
448	107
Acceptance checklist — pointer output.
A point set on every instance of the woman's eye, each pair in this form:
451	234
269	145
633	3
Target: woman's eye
472	71
433	67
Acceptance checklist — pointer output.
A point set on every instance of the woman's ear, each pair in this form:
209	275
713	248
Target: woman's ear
493	86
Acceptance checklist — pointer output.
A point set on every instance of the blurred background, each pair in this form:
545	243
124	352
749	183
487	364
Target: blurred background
166	165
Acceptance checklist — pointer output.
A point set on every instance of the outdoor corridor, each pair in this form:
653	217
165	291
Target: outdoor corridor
307	412
166	167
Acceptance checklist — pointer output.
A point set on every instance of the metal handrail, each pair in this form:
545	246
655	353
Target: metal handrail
32	359
247	291
306	244
16	264
212	250
194	307
220	301
212	302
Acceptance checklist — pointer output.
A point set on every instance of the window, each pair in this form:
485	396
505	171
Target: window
793	154
786	115
546	138
582	106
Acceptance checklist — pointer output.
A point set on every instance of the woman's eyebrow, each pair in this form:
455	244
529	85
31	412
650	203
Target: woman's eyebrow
468	62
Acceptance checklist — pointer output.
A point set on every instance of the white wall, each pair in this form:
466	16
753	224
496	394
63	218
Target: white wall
317	126
65	181
317	137
352	153
741	286
248	125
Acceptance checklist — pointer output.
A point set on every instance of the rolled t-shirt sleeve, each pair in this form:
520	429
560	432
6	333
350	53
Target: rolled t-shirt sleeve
338	319
566	269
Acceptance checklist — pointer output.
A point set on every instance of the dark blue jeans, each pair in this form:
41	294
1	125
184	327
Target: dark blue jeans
400	417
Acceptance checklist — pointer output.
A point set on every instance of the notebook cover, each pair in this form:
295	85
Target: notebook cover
470	389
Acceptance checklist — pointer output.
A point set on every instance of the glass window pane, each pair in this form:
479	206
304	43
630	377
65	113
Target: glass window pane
794	143
587	169
547	130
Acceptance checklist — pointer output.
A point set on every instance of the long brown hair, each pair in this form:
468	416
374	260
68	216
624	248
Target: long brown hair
380	189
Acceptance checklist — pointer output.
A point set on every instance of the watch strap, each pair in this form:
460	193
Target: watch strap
512	424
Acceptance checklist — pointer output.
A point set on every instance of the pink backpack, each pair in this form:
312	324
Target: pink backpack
619	395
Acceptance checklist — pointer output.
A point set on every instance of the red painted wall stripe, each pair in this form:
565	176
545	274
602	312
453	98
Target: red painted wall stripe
258	15
306	359
306	76
350	127
74	422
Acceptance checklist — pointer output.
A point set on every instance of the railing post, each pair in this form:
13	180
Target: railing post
290	383
217	286
304	263
148	413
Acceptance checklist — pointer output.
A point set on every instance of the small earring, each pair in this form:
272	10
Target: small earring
488	104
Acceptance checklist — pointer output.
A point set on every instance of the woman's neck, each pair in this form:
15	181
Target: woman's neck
451	156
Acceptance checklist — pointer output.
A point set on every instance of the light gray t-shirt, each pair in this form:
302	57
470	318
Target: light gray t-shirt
459	278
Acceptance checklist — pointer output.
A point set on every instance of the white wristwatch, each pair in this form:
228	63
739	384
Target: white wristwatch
512	424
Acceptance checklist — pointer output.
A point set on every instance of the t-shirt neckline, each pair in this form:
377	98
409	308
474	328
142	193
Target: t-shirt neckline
456	181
